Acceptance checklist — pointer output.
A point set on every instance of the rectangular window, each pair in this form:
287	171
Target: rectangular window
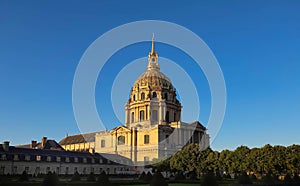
67	170
102	143
58	159
67	159
84	160
76	160
100	161
146	139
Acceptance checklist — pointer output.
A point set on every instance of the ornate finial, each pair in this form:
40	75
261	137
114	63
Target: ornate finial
152	49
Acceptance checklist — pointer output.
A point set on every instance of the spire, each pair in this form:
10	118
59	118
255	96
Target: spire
152	49
153	58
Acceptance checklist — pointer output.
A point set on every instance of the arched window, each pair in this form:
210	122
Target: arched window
133	97
146	139
154	95
175	119
154	116
132	117
143	96
121	140
142	115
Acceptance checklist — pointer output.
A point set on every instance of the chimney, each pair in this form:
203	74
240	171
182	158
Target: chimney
44	140
33	144
5	145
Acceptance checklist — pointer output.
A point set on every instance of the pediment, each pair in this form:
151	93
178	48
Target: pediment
119	129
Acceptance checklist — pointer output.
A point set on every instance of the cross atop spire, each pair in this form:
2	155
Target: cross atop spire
152	49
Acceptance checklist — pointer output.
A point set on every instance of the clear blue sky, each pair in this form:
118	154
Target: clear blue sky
256	43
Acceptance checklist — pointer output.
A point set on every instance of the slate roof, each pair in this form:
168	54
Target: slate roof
79	138
50	144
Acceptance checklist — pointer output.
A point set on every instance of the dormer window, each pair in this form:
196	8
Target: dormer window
38	158
48	158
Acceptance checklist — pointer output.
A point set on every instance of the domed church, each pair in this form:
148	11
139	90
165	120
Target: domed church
153	128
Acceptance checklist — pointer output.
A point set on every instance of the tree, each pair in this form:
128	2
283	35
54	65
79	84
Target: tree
223	162
186	159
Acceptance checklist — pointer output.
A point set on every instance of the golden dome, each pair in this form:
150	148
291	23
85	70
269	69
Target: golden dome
153	79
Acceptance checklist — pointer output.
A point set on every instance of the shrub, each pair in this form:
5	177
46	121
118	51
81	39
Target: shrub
192	175
91	177
209	180
75	177
142	176
244	179
103	180
51	179
296	178
218	175
288	178
24	176
253	177
158	180
148	177
179	176
268	179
